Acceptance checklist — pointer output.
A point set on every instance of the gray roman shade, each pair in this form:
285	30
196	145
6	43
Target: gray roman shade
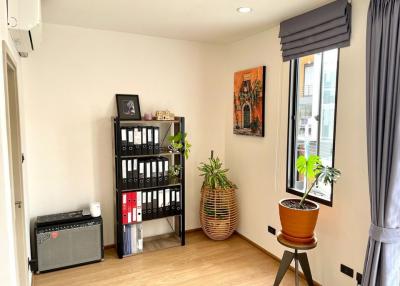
322	29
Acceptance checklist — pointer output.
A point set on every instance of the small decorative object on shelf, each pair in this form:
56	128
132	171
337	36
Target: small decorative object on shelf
218	205
147	116
299	216
179	143
174	172
128	107
164	115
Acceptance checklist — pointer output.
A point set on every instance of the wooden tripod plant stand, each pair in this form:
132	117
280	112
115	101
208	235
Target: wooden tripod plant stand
288	257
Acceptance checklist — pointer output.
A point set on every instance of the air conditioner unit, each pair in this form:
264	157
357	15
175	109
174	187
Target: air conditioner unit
24	25
26	41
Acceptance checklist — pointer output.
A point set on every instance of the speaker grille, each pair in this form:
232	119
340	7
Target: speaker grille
67	247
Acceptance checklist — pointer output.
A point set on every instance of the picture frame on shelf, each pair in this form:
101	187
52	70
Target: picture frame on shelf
128	107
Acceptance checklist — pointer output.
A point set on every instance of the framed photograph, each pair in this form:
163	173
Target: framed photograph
128	107
249	102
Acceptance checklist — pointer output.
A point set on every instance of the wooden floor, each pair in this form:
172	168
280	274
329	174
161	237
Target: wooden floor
201	262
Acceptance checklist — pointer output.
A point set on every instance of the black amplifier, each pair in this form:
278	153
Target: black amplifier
66	240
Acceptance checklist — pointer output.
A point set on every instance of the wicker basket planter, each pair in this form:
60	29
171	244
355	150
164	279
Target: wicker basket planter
218	213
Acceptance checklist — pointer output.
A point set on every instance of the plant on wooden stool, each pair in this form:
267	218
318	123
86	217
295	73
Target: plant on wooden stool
299	216
218	206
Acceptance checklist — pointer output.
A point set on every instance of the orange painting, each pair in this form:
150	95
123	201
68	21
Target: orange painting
248	102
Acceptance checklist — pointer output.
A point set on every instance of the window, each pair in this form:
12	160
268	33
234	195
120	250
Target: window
312	110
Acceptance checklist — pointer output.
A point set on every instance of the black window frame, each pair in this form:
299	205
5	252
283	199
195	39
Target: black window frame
291	135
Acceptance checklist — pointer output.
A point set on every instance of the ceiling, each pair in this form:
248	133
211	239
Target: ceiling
212	21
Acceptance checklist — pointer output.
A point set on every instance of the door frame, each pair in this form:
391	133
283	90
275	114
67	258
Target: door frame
21	251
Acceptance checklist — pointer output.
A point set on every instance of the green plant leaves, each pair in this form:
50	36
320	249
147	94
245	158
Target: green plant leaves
179	142
308	167
214	175
301	164
328	175
314	169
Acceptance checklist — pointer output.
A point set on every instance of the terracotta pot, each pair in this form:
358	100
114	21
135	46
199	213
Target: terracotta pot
298	224
218	213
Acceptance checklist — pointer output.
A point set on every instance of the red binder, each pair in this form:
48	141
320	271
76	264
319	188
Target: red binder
129	211
124	209
133	207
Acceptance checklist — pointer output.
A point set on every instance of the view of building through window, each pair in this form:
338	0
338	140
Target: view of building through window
314	114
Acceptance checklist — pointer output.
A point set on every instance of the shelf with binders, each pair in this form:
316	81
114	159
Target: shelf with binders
172	184
137	208
161	216
153	121
150	155
152	204
156	150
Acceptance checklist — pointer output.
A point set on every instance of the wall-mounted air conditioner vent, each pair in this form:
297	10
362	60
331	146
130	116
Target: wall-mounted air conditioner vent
24	25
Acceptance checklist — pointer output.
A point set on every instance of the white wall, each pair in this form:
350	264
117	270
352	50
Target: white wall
343	229
70	85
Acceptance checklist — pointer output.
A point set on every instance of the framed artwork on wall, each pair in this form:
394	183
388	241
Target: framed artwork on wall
249	102
128	107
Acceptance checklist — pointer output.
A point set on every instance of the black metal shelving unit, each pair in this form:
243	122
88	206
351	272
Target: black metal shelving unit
172	127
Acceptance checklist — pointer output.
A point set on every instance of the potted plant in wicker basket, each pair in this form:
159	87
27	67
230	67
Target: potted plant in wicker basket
299	216
218	205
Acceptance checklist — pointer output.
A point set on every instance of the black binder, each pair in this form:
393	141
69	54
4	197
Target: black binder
124	175
147	171
154	204
154	179
156	133
165	169
124	142
130	174
149	206
160	209
141	174
173	202
167	202
130	141
150	141
137	140
144	205
178	200
160	172
144	141
135	174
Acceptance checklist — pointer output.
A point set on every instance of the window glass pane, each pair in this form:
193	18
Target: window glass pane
307	110
314	115
327	126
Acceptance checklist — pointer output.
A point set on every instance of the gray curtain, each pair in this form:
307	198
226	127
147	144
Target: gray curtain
382	262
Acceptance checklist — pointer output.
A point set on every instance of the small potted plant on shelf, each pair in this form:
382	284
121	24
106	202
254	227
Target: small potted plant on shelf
218	205
299	216
179	142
